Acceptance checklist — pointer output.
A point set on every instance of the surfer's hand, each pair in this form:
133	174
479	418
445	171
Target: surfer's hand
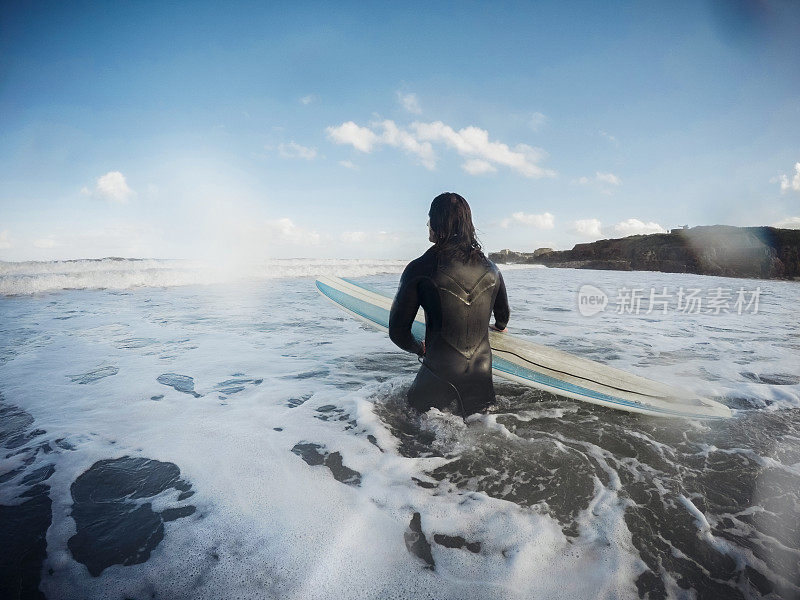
495	328
422	350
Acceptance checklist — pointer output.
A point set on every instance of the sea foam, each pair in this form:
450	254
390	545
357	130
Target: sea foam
33	277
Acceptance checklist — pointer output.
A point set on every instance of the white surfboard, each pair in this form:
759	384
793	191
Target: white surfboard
542	367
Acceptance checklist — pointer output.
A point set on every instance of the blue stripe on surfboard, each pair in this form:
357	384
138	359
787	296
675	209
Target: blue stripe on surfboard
380	316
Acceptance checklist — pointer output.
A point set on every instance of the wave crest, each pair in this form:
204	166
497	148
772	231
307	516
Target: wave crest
31	277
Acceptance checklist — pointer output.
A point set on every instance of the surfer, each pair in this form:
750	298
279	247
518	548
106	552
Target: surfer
458	288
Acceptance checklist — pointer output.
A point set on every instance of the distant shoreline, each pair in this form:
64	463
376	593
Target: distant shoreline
722	250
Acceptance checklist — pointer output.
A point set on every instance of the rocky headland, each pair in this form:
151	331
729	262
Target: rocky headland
757	252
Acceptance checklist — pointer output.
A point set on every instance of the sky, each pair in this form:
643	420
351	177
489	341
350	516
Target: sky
244	131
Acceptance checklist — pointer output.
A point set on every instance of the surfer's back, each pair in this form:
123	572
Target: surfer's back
458	297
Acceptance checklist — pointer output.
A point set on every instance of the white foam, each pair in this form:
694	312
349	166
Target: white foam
116	273
519	266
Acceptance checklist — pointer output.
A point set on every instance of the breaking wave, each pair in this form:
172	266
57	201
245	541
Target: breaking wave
32	277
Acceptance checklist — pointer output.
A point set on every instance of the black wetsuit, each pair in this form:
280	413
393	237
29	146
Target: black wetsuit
458	299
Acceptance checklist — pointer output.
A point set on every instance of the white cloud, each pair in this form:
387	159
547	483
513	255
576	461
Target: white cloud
399	138
471	142
476	166
474	142
44	243
637	227
410	103
593	228
5	239
361	138
792	184
542	221
365	139
600	178
284	230
537	121
295	150
306	100
787	223
590	228
112	187
609	178
348	164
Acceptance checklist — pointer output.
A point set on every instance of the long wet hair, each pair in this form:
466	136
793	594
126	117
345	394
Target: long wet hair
454	233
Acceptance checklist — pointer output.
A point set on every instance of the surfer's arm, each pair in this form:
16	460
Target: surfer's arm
404	310
501	311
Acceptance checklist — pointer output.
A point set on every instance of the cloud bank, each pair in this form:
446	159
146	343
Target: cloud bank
593	228
542	221
787	223
637	227
589	228
472	143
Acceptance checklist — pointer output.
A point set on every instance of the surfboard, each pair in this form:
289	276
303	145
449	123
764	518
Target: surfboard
539	366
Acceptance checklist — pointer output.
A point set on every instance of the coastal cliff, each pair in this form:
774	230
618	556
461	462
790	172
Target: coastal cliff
757	252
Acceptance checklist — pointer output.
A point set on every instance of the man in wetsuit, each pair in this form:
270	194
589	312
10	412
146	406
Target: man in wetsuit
458	288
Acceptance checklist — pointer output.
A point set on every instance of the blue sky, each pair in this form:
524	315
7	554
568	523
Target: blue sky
240	130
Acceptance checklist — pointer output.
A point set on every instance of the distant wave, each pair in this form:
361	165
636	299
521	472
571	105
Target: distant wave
19	278
518	266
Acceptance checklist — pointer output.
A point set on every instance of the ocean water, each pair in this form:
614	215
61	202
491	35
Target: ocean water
172	431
